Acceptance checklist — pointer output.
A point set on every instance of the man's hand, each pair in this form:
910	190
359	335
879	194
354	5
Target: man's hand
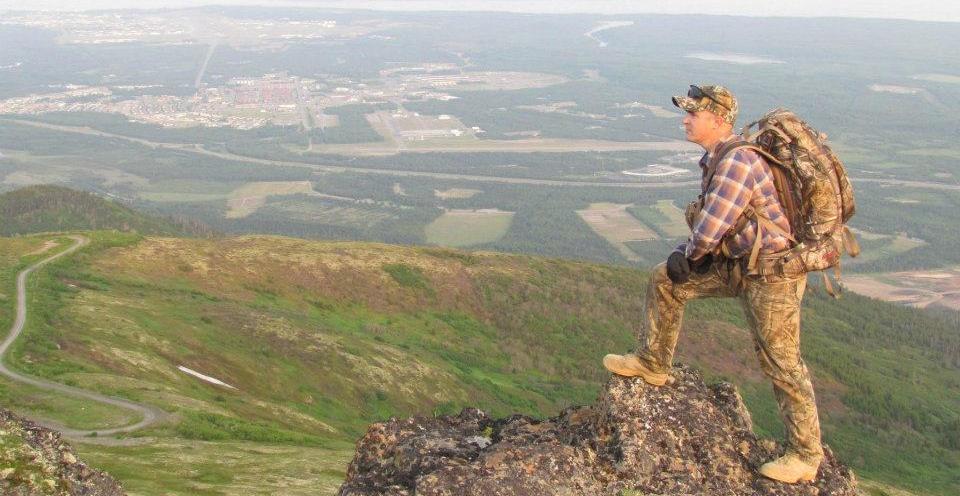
678	269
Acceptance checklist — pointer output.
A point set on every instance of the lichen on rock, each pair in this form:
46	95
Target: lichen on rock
680	439
35	460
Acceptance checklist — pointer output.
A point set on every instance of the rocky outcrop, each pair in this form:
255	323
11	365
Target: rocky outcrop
686	438
34	460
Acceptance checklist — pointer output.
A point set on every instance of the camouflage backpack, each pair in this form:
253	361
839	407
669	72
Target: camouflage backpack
814	191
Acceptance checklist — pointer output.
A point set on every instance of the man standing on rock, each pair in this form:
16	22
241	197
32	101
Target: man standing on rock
712	264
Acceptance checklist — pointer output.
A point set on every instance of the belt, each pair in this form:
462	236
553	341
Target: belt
780	264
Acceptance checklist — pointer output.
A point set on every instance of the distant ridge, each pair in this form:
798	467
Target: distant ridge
48	208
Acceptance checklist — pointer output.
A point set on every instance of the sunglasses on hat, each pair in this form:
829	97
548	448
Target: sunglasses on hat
698	92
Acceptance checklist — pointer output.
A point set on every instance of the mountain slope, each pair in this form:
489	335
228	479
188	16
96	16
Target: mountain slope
47	208
320	339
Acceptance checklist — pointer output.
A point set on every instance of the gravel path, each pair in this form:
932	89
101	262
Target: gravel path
150	414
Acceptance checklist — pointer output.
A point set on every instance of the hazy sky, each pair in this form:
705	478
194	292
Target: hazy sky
927	10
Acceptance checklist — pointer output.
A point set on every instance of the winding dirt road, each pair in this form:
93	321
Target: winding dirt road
150	414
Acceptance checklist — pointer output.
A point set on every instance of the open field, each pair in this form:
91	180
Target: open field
876	246
57	410
246	199
456	193
613	223
47	246
345	212
20	179
61	168
460	228
325	120
664	217
914	288
42	169
874	488
178	466
674	225
181	190
174	197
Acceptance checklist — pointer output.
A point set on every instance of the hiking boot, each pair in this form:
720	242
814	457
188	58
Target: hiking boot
790	468
630	365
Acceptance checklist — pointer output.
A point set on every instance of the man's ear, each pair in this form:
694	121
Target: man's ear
718	121
721	122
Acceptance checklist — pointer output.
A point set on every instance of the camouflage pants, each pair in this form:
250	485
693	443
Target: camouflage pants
772	309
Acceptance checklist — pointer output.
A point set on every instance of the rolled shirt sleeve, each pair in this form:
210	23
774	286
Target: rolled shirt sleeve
726	196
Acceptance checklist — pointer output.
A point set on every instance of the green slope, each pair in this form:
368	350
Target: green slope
320	339
48	208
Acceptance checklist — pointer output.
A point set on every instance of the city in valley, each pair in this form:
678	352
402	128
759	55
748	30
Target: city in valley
237	239
278	99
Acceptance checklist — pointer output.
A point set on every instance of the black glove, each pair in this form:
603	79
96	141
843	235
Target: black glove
678	268
702	265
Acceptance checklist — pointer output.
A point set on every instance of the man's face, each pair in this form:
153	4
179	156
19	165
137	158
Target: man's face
701	126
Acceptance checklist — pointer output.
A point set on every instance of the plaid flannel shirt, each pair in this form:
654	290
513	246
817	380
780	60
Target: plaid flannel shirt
742	178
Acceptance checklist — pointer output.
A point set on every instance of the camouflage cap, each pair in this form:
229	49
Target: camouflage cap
713	98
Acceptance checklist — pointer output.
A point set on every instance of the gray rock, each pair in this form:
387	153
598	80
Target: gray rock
685	438
50	466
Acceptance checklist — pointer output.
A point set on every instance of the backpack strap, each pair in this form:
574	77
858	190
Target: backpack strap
763	224
712	164
770	158
850	246
734	146
725	149
749	213
834	293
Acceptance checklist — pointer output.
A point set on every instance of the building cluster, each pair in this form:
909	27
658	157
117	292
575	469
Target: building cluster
164	110
272	92
242	103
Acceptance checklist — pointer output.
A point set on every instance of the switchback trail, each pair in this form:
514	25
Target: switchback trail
150	414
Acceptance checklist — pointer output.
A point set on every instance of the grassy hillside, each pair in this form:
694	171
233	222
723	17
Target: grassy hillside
47	208
320	339
15	255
